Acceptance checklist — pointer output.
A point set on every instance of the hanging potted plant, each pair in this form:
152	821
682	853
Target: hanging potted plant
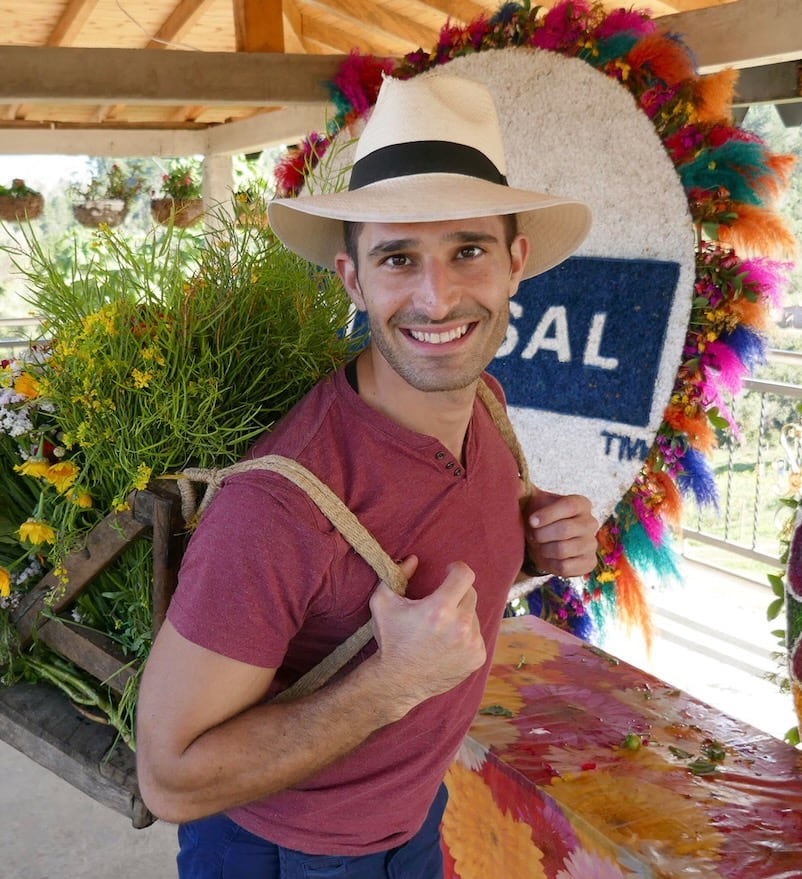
19	202
104	200
180	203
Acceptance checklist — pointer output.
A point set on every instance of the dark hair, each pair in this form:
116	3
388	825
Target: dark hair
351	230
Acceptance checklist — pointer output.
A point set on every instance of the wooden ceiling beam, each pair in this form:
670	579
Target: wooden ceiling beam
131	76
769	84
746	33
71	21
177	24
259	25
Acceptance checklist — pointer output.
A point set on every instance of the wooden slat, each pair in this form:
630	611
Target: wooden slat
104	543
160	506
40	721
89	650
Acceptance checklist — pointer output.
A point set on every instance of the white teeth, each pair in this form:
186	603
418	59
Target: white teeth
439	338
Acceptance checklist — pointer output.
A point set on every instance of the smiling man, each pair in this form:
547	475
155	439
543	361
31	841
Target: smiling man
431	243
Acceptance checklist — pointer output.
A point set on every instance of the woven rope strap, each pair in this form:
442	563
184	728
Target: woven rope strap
343	520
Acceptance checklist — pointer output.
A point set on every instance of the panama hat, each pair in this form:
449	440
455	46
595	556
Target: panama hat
431	150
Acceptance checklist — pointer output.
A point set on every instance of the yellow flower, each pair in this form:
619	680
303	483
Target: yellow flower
81	499
483	840
35	531
36	467
61	475
5	583
142	477
26	385
141	379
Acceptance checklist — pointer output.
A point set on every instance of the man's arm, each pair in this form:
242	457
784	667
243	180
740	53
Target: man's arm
206	742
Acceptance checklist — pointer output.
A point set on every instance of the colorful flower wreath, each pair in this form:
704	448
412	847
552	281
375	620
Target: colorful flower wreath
732	181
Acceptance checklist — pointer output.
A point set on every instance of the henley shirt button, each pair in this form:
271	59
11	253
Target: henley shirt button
458	471
449	465
440	456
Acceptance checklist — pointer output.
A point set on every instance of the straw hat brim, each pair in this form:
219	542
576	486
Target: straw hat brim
312	226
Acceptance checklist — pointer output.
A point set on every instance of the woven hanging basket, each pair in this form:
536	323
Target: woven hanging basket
101	211
182	212
27	207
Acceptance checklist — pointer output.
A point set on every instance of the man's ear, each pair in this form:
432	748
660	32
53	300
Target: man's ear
519	251
346	270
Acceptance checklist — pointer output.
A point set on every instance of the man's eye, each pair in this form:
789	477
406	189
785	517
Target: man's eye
470	251
397	259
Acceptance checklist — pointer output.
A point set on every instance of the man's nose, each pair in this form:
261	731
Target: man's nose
436	293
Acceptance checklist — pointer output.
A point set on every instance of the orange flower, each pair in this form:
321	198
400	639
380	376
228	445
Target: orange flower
483	840
5	583
26	385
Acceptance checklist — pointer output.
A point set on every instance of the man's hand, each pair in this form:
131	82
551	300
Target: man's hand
429	645
560	533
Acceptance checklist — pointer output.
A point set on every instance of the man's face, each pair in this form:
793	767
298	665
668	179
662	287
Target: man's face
436	295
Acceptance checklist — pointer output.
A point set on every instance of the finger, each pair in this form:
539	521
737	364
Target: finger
568	506
456	587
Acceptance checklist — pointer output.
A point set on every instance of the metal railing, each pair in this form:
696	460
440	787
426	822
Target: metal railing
12	344
752	475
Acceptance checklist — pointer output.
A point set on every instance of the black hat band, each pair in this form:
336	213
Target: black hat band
423	157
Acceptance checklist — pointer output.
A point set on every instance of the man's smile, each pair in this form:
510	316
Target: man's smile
432	338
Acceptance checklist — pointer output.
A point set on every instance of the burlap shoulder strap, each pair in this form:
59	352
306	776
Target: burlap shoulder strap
343	520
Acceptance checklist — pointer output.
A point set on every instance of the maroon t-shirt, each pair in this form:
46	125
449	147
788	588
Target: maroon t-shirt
267	580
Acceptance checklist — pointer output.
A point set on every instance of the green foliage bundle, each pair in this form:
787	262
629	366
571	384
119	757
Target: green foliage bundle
173	354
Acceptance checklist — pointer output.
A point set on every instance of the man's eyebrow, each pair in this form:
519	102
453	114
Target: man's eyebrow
393	245
468	237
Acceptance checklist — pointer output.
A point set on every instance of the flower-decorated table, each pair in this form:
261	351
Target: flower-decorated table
580	766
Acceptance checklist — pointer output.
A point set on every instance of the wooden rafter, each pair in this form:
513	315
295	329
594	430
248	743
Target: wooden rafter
259	25
181	20
71	21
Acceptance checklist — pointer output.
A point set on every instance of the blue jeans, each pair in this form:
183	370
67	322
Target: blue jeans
217	848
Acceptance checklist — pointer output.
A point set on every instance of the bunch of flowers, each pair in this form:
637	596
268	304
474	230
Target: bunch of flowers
38	479
183	181
176	353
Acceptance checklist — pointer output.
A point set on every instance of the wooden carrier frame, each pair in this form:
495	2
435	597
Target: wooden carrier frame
39	720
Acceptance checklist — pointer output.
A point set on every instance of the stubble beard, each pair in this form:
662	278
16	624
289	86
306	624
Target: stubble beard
423	377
